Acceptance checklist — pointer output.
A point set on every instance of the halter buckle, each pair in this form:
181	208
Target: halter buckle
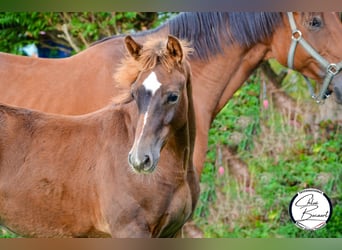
332	69
296	35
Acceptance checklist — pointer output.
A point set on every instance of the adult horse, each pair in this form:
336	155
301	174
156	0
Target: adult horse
228	47
68	176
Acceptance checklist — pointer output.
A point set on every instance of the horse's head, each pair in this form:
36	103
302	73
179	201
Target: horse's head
311	44
160	92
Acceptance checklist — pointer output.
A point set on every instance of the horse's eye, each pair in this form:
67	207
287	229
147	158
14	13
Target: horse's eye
172	98
316	22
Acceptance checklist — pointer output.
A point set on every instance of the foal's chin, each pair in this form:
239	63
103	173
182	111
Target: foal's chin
146	170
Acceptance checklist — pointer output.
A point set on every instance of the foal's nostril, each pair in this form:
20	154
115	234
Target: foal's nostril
147	160
142	164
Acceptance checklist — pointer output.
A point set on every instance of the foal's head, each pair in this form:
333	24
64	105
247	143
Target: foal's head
159	89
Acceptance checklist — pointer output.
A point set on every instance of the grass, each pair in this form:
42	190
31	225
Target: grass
4	233
282	159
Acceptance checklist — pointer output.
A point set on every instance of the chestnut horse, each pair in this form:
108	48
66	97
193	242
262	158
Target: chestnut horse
228	48
80	176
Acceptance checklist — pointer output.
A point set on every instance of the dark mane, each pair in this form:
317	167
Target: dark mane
208	31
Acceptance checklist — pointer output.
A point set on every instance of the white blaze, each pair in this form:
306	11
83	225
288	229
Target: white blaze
151	83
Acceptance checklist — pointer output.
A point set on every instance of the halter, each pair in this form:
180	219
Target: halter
332	69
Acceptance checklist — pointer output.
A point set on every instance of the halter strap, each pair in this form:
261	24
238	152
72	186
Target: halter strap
332	69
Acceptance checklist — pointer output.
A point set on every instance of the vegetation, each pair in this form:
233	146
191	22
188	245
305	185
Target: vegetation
282	160
73	31
281	157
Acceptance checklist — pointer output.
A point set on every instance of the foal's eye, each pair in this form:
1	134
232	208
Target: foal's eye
316	22
132	94
172	98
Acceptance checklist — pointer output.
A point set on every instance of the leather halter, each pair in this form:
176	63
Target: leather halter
331	69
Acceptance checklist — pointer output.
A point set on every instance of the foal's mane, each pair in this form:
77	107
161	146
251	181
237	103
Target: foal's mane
154	52
209	31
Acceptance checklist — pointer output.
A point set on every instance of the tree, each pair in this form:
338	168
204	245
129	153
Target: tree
69	31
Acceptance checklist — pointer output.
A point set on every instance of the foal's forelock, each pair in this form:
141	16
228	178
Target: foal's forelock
154	53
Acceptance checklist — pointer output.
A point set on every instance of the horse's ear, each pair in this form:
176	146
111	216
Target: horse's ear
174	48
133	48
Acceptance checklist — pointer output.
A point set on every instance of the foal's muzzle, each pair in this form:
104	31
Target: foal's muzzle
143	164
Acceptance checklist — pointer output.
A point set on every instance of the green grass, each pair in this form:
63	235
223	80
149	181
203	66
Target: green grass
282	160
4	233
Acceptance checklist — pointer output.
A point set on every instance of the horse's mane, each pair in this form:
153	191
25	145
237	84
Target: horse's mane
154	52
209	31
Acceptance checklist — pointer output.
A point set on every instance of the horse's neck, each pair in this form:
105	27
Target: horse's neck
219	78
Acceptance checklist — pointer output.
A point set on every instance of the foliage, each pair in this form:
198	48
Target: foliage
76	30
17	29
4	233
282	160
294	83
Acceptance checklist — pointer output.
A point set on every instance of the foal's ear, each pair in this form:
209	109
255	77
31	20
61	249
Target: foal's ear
174	48
133	48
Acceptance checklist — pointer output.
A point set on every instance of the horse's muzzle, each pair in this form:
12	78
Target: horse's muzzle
338	94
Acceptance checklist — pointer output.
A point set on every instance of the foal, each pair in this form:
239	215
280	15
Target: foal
80	176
